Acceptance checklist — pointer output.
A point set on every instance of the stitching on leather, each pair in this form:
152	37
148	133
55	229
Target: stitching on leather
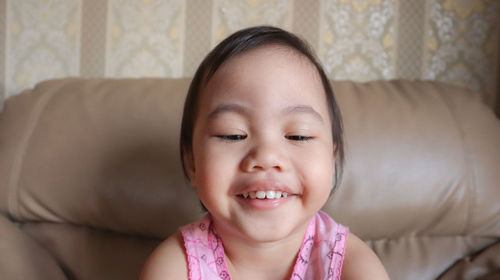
431	236
471	179
13	188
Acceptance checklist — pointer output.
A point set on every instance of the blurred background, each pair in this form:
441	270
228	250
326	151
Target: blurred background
454	41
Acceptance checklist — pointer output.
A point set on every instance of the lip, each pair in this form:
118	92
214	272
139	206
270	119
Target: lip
266	186
263	204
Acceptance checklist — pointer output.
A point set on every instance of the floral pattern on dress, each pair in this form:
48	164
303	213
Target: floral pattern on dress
323	247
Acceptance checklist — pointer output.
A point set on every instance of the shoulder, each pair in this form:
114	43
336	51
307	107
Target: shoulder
360	262
168	261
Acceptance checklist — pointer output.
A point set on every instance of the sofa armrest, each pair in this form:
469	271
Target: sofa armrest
482	265
23	258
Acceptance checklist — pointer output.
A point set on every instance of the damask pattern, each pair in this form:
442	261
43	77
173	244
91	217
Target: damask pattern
410	34
232	15
305	21
197	34
461	43
358	39
454	41
145	38
3	14
93	38
43	41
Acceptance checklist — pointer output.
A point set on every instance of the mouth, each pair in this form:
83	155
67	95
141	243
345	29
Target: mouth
265	199
271	194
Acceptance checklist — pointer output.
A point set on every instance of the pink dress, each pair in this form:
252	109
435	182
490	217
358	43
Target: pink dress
320	257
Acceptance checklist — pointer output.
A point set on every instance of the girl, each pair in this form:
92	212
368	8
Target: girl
261	141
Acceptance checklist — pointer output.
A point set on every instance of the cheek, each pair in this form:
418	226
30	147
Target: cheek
318	168
214	175
322	173
213	164
319	182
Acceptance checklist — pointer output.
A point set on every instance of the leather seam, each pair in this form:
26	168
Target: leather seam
469	165
13	188
417	237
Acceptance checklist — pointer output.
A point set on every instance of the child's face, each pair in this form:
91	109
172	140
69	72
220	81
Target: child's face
263	125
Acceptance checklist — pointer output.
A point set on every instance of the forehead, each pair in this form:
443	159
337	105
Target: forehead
275	57
272	73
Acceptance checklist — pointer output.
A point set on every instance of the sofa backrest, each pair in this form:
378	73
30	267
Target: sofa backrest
423	158
422	162
100	153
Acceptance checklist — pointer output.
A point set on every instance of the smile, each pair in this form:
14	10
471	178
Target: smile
264	195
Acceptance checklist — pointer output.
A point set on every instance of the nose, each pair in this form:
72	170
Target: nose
265	156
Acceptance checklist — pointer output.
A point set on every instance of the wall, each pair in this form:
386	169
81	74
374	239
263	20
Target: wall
454	41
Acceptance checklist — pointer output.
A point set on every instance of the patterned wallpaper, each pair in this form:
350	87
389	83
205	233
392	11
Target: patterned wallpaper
455	41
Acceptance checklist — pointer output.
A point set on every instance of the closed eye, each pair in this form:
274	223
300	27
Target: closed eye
299	138
233	137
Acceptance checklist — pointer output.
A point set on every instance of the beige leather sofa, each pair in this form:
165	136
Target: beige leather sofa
90	178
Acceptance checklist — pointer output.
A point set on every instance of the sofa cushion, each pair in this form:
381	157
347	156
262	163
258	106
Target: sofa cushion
421	170
482	265
102	153
422	159
425	257
23	258
87	253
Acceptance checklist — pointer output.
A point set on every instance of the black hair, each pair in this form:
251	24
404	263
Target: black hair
243	41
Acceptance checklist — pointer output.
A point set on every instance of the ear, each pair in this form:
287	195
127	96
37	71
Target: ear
189	164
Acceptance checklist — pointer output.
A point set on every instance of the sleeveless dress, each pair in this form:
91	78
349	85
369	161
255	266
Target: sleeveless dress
320	257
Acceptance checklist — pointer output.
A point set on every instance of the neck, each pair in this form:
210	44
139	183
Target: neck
250	259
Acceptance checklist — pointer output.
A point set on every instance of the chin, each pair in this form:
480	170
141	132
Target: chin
270	231
266	236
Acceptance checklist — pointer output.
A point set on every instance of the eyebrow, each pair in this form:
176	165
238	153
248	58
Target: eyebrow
228	108
303	109
235	108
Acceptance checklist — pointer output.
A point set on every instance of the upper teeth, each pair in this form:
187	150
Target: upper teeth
265	194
